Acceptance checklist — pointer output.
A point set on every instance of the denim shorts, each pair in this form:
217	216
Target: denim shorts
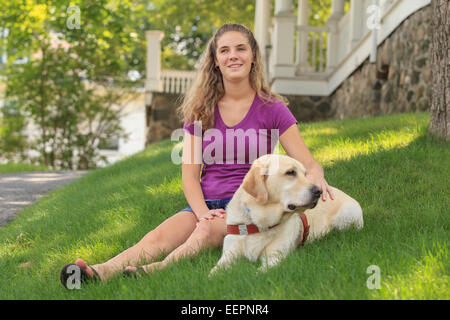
212	204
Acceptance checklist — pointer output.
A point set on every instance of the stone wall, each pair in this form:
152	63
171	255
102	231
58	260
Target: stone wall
400	81
162	118
310	108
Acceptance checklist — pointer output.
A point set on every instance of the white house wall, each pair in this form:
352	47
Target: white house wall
133	121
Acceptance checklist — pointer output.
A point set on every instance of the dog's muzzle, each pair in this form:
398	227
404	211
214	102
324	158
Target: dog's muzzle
315	196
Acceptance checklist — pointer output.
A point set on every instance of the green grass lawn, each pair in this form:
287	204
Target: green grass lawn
20	167
399	175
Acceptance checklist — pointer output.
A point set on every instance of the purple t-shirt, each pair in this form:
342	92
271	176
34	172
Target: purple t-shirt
228	152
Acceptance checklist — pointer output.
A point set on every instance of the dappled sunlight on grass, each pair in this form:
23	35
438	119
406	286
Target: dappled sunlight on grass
426	278
37	215
328	145
18	246
114	222
156	149
331	141
173	187
318	131
345	149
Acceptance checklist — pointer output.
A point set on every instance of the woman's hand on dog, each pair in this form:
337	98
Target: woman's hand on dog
316	176
213	213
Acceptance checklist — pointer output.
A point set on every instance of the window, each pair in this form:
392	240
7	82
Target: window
110	144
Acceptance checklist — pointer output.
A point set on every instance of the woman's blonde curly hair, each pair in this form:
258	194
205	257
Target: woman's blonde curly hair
207	89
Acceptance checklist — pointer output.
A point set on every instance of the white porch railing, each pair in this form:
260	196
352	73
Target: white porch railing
176	81
157	80
351	39
313	58
352	28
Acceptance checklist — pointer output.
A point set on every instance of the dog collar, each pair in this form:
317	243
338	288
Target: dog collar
305	228
244	229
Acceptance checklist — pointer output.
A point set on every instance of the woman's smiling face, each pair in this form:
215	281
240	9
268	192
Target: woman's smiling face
234	56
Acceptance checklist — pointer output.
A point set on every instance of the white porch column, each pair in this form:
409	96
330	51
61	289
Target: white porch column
302	20
357	16
283	40
153	63
337	11
262	24
283	6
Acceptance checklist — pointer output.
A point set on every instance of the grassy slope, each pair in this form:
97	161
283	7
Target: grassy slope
399	175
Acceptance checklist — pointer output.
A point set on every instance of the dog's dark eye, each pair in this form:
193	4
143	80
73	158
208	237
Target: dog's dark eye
291	173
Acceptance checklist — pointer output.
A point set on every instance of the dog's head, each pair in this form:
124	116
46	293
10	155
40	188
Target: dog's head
281	179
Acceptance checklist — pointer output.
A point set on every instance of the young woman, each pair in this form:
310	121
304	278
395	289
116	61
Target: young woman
229	95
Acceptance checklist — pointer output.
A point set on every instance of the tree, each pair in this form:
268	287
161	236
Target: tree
12	140
189	24
440	64
74	74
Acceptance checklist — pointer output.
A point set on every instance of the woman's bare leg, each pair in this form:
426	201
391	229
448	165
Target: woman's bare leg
169	235
208	233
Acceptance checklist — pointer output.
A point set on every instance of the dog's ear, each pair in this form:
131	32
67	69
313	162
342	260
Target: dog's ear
255	183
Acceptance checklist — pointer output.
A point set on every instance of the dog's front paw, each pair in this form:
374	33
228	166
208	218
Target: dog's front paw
213	271
263	269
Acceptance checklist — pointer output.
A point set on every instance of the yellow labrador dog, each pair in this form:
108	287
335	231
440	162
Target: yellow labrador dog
276	209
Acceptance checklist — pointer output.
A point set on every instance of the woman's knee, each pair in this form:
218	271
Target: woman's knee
206	231
203	229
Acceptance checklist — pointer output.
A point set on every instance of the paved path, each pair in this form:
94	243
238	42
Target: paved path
18	190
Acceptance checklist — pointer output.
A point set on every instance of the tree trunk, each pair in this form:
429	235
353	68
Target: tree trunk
440	69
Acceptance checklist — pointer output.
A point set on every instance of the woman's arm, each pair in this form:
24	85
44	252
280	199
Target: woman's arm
292	142
190	171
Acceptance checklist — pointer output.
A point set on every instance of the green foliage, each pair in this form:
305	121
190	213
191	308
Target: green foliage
12	140
319	11
51	89
189	24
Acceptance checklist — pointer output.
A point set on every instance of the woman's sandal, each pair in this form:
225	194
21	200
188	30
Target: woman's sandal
140	271
68	276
